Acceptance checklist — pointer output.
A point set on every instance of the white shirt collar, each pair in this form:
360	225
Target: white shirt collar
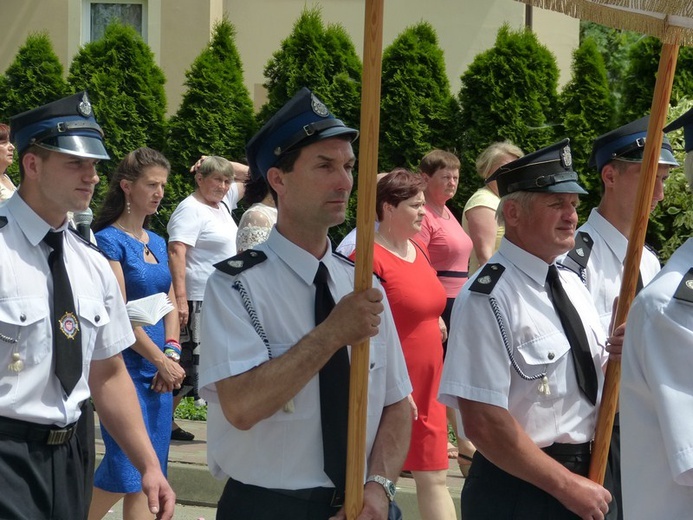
531	265
304	264
612	236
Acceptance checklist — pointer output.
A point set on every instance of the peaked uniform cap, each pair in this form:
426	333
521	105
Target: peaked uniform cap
66	125
627	143
302	121
548	170
685	122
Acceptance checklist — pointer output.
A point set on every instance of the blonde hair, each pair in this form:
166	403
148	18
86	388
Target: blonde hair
486	163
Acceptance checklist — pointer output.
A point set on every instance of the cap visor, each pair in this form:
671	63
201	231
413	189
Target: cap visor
337	131
79	145
564	187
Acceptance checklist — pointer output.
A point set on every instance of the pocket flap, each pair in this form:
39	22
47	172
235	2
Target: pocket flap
93	311
546	350
23	311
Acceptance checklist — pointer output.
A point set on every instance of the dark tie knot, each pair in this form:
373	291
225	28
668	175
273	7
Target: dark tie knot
321	274
54	239
552	275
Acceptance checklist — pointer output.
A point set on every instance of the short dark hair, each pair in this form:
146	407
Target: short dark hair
438	160
395	187
4	132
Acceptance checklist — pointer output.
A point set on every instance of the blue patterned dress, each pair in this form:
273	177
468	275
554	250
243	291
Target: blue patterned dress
115	473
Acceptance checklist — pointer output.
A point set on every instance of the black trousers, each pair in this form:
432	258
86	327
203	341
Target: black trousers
613	470
489	493
41	481
87	442
243	502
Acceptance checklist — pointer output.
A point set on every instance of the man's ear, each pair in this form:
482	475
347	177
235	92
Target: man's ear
512	212
275	178
609	173
30	162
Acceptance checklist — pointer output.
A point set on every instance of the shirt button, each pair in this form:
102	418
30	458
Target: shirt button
551	355
97	318
22	317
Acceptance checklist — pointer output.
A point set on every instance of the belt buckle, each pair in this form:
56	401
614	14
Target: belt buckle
337	499
57	437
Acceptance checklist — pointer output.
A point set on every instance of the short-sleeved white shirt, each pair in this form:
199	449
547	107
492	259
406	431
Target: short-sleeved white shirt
283	451
479	368
604	272
34	394
656	399
210	234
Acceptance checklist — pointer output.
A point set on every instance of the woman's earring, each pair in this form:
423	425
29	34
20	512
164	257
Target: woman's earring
127	206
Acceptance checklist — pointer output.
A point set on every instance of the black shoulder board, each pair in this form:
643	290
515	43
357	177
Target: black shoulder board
580	254
684	292
3	222
242	261
84	240
487	278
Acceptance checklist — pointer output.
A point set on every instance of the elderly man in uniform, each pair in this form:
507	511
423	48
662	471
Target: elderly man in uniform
601	242
63	325
524	367
274	374
656	385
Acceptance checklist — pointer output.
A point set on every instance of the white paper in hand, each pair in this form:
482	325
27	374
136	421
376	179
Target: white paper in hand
148	310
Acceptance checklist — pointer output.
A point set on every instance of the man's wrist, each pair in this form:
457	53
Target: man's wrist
387	485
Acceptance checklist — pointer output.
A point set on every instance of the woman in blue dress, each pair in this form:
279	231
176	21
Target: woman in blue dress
138	258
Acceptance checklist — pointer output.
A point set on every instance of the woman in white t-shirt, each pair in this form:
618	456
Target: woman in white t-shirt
201	233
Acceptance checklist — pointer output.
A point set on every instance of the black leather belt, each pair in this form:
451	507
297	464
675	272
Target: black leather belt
40	433
319	495
567	450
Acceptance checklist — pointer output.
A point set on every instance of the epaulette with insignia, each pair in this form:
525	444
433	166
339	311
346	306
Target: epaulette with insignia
580	254
242	261
684	292
487	278
3	222
85	241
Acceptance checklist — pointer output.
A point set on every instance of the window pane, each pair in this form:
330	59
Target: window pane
103	14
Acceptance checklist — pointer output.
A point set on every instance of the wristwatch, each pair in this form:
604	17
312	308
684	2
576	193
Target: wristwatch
388	485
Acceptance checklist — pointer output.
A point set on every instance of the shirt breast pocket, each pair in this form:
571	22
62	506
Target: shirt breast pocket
545	355
24	328
92	316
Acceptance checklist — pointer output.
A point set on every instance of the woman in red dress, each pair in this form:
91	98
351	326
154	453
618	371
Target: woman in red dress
417	300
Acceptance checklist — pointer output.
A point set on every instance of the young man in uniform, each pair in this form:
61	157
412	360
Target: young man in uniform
524	367
601	242
63	325
656	385
274	374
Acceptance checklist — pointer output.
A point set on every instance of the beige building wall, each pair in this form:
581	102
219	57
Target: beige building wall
178	30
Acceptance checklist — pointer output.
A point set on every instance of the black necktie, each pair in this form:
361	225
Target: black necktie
575	332
67	342
334	393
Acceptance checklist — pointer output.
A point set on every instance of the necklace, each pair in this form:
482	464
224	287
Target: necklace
147	251
391	247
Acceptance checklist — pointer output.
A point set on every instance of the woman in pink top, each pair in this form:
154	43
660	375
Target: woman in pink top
449	248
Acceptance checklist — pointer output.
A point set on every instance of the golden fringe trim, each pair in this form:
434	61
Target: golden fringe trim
612	14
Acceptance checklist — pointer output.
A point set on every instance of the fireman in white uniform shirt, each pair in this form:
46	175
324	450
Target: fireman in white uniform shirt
263	351
41	459
509	366
656	385
602	241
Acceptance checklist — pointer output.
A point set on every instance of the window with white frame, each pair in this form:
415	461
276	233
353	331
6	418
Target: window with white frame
97	14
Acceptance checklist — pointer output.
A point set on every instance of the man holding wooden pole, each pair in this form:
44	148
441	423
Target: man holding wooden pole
277	327
525	356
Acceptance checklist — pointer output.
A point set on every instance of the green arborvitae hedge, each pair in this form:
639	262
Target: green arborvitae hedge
215	116
508	92
126	88
417	108
588	109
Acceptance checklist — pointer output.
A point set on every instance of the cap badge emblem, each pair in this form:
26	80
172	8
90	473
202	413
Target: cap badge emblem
318	107
236	263
485	280
69	325
566	157
84	107
580	252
